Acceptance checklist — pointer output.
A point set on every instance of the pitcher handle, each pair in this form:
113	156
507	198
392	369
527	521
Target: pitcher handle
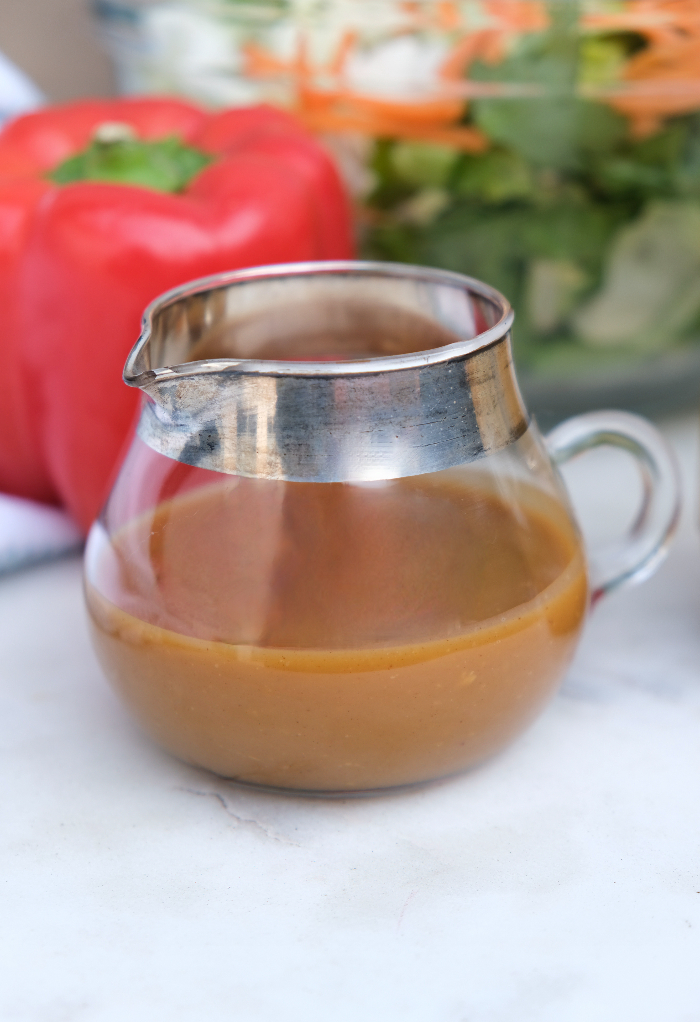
637	554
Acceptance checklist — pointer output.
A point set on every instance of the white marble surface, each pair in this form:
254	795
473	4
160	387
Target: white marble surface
559	883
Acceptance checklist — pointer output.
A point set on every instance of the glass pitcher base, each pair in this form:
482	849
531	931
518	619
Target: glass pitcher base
338	794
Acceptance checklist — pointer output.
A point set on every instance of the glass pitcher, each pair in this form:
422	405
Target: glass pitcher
338	556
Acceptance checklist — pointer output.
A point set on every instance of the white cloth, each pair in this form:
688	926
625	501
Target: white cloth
31	532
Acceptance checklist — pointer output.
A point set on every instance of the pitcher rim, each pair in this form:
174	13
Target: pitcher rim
350	367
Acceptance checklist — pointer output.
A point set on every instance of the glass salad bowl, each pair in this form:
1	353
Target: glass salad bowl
548	147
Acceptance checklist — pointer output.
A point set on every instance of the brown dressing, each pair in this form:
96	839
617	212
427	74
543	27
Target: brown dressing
337	637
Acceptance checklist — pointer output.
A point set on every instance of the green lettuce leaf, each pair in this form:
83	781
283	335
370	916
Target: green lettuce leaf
651	289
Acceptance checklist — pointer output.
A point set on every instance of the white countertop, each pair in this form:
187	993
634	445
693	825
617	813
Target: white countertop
558	883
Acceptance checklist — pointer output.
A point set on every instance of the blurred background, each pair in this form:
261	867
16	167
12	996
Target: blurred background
580	206
550	148
55	43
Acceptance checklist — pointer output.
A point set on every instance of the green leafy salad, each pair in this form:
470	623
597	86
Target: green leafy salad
593	235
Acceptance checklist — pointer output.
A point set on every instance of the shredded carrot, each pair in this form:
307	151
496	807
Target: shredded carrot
517	15
339	121
663	79
430	112
657	20
468	49
447	15
443	16
345	47
660	80
259	63
431	121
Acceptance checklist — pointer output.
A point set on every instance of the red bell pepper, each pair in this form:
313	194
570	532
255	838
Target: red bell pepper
79	261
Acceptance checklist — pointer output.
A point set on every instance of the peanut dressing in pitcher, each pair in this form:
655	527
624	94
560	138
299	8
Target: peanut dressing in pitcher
340	636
